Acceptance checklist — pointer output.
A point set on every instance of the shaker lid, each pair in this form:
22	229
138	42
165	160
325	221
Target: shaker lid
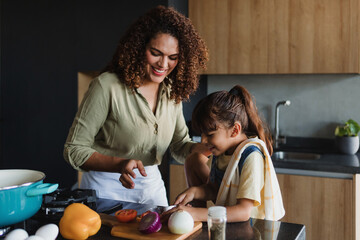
217	211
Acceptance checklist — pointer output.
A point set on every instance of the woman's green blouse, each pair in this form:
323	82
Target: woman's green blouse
116	121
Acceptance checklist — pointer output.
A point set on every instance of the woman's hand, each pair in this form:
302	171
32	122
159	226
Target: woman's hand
126	170
201	148
100	162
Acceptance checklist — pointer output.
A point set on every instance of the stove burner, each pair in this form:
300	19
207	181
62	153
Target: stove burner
4	230
54	204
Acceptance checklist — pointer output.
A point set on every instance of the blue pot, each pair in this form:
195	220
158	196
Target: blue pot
21	194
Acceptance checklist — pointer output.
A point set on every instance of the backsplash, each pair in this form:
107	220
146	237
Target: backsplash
318	102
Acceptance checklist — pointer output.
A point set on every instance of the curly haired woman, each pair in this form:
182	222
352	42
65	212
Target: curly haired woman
132	112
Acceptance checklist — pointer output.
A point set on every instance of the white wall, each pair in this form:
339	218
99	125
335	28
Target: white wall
318	102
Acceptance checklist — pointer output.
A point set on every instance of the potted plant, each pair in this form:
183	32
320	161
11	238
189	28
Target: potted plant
347	139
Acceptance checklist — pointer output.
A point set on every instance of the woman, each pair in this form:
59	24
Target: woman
132	112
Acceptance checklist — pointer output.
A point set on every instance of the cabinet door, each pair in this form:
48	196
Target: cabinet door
177	181
278	36
323	205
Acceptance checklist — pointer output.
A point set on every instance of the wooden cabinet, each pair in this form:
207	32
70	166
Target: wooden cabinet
278	36
177	181
328	207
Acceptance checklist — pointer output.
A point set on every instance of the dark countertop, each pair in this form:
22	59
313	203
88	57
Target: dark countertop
334	163
254	229
331	160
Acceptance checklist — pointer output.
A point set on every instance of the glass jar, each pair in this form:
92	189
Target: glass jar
217	223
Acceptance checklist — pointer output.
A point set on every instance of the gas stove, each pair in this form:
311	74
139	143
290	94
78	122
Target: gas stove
54	204
53	207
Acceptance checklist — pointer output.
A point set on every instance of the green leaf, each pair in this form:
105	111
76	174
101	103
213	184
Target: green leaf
351	128
340	131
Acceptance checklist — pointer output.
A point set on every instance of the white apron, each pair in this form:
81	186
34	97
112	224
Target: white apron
147	190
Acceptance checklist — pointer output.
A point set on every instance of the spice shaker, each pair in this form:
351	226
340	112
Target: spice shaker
217	223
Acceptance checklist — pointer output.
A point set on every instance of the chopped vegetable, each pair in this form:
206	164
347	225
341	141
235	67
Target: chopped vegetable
79	222
150	223
180	222
126	215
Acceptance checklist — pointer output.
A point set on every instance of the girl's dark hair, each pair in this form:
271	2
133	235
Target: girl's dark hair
228	107
129	62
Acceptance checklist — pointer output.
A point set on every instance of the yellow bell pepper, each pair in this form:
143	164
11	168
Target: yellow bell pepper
79	222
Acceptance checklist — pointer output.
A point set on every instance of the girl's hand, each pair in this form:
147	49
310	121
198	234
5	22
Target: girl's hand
165	215
198	214
186	196
126	170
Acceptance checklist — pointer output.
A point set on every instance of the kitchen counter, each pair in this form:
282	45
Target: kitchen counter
330	161
252	229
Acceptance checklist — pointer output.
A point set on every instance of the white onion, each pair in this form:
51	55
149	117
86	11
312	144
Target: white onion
180	222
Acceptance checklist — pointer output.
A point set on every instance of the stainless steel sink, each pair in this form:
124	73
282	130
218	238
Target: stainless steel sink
288	156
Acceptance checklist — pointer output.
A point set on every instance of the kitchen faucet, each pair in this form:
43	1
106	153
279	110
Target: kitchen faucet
279	139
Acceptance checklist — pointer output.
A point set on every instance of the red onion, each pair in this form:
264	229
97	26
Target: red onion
150	223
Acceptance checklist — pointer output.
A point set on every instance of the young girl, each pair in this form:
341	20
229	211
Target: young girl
242	175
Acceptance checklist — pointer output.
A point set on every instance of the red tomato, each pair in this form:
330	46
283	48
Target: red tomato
126	215
138	218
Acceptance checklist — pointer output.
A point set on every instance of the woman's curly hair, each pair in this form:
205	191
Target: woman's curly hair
129	62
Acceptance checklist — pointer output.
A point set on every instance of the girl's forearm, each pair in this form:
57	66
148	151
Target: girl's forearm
199	192
233	213
199	214
239	212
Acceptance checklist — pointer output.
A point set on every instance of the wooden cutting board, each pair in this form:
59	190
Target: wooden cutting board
130	230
